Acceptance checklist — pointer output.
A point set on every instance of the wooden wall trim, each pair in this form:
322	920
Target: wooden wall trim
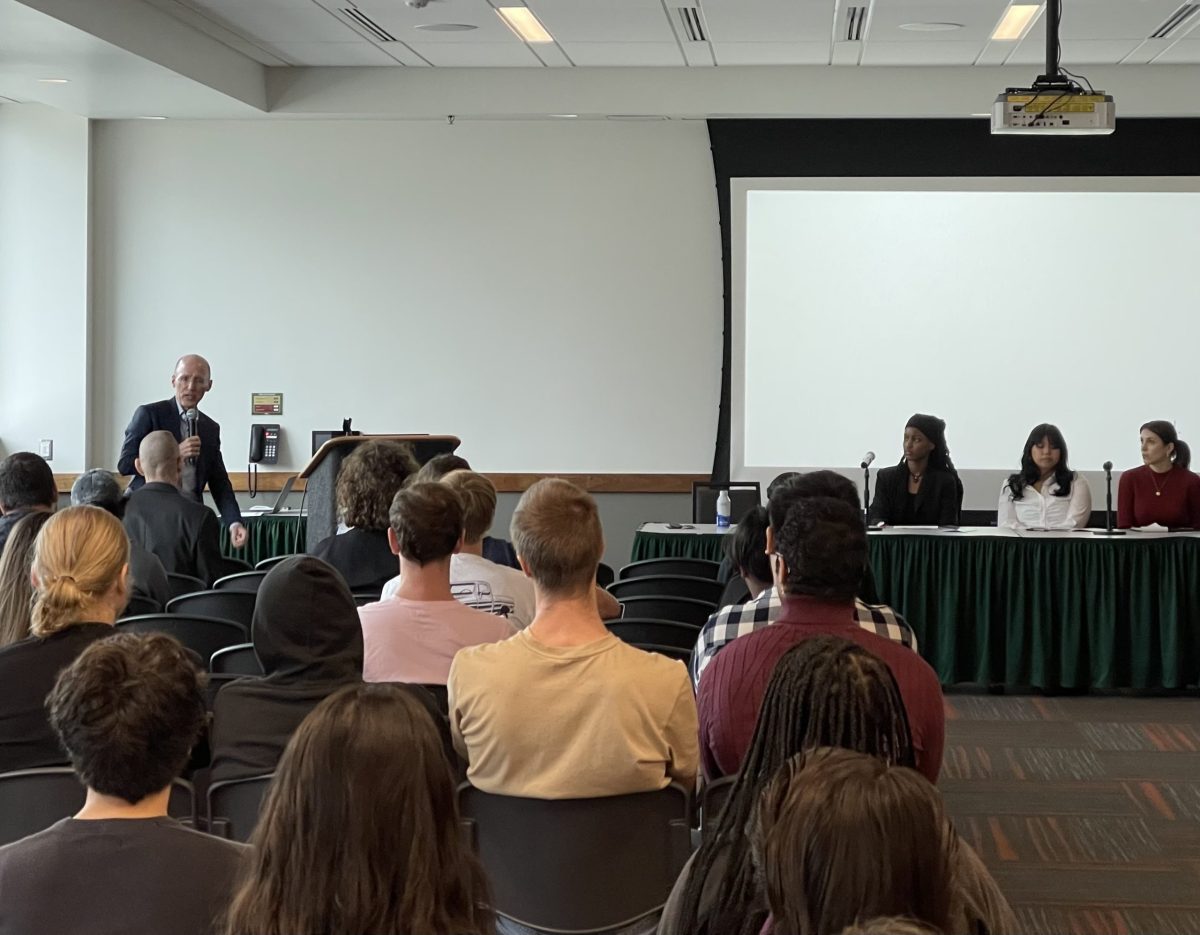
272	482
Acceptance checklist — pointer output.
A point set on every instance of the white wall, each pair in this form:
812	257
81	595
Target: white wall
548	291
43	282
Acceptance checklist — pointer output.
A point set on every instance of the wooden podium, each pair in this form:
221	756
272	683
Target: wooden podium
322	470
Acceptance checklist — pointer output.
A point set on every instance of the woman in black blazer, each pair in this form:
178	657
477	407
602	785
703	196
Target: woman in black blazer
923	489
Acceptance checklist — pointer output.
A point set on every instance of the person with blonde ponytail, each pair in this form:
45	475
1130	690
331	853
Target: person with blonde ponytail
80	580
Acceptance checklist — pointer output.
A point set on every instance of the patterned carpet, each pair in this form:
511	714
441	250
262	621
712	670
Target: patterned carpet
1087	810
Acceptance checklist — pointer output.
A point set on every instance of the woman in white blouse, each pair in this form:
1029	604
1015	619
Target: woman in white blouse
1045	493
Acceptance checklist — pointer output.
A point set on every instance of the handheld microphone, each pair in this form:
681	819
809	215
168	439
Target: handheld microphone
867	459
193	419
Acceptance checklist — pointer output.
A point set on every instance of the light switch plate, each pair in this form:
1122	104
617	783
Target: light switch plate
46	448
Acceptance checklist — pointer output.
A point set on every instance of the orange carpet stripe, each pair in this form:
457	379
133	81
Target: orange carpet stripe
1154	797
1004	850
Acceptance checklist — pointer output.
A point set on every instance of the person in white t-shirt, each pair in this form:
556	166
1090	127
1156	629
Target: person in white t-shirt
1045	493
413	635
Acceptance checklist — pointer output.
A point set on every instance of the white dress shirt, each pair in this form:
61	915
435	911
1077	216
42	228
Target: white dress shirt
1044	510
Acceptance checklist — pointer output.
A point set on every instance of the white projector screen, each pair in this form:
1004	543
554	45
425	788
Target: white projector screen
996	304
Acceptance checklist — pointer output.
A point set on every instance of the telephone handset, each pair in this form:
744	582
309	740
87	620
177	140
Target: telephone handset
264	444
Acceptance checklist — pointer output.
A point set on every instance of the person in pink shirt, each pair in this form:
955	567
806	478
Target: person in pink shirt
413	635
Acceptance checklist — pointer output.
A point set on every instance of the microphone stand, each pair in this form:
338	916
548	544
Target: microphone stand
866	469
1108	530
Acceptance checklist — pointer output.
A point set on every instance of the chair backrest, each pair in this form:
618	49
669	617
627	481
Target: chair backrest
237	606
179	584
712	800
605	575
659	632
679	609
268	563
203	635
242	581
365	597
238	659
744	496
673	652
579	865
702	589
233	806
140	604
692	567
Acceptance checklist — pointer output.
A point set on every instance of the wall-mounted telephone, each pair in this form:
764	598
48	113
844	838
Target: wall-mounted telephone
264	444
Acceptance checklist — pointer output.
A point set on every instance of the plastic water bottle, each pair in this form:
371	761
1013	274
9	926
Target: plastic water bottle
723	508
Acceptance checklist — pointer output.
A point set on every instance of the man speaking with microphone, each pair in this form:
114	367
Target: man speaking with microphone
199	442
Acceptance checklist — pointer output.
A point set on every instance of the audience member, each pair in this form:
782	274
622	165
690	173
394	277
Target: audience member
564	709
148	578
495	550
306	635
413	635
184	535
16	588
359	833
127	711
366	484
728	623
840	836
26	486
476	581
819	549
825	692
80	572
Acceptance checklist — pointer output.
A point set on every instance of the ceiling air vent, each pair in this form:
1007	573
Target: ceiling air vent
1175	21
856	23
693	27
357	16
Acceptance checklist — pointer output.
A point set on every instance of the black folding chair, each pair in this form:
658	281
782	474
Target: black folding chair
679	609
551	862
234	804
237	606
702	589
179	584
365	597
744	496
239	659
657	632
203	635
140	604
604	575
268	563
692	567
242	581
712	800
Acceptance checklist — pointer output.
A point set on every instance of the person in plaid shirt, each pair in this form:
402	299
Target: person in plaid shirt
749	554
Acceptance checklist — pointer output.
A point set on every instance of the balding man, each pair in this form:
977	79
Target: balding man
201	451
182	533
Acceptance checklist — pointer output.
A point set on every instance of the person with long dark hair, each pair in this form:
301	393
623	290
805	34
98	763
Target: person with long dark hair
824	692
1163	490
923	489
1045	493
359	833
16	588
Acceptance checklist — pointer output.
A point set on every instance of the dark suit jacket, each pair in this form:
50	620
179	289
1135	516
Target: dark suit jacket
182	533
938	500
210	468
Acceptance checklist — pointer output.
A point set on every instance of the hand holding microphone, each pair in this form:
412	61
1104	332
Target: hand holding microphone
189	448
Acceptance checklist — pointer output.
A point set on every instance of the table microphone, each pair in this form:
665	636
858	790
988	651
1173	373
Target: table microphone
193	418
867	459
1108	529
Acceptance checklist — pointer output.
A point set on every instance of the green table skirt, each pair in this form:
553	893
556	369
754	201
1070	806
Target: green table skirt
267	537
670	545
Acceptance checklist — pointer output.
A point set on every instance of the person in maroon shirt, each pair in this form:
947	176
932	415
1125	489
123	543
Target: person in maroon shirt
1162	490
818	548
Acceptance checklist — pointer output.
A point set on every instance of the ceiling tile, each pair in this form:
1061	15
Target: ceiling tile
977	21
333	53
1184	52
772	53
623	53
279	23
767	21
402	20
477	54
921	53
604	20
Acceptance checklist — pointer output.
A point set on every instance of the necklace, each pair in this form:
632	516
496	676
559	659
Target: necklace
1158	489
915	478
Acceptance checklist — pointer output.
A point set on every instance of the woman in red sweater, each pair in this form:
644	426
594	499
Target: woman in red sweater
1162	490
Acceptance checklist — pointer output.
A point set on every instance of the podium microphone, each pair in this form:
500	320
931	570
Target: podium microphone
866	469
1108	529
193	418
867	459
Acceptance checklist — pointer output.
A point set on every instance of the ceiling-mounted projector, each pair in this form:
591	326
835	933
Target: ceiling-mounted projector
1056	104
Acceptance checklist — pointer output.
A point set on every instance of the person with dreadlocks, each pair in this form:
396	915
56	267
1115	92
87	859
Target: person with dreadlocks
818	549
825	692
924	488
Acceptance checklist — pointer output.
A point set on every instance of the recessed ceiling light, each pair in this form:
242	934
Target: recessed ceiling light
980	115
565	116
930	27
1015	22
520	19
634	117
54	80
446	27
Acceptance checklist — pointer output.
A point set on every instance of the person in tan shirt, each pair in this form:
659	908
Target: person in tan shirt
564	709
